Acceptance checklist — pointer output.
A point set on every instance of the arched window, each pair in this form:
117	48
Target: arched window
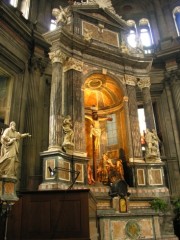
25	5
176	16
14	3
145	34
112	131
53	25
132	36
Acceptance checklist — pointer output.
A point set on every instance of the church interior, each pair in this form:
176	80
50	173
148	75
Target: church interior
93	87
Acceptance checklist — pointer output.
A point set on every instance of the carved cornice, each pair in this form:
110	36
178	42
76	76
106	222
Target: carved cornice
96	51
73	63
130	80
57	56
144	82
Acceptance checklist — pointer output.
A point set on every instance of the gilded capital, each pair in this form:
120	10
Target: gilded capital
73	63
57	56
130	80
143	82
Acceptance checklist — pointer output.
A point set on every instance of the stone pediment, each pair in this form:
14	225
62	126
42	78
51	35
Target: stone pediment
98	21
101	11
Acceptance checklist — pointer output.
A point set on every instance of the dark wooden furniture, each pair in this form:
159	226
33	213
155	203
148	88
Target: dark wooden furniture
63	214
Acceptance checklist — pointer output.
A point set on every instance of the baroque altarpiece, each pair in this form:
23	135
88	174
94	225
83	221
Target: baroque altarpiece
90	83
94	126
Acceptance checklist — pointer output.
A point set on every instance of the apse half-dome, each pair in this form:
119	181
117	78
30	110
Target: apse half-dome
101	91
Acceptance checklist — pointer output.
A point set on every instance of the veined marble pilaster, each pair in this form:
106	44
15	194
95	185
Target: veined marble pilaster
55	121
133	116
73	100
144	84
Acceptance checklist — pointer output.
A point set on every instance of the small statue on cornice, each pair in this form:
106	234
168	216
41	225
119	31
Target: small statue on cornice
124	48
62	15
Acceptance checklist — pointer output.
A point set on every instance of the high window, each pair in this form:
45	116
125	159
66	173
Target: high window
140	36
25	5
132	36
14	3
53	25
145	34
112	130
176	16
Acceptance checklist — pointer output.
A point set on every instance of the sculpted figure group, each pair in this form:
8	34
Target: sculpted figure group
110	170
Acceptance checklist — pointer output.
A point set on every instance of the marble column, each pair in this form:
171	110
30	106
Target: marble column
126	109
73	101
144	84
175	89
55	120
133	116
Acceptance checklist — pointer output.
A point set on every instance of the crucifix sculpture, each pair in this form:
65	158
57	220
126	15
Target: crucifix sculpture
95	133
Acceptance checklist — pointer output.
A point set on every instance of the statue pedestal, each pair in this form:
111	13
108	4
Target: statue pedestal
149	174
7	200
8	189
63	178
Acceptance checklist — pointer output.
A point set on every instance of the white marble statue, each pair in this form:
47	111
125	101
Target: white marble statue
68	132
9	150
152	144
62	15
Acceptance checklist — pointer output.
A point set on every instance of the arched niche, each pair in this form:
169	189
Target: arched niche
105	94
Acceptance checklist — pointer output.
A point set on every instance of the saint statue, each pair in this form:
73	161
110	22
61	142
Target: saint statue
152	143
68	131
9	150
63	15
